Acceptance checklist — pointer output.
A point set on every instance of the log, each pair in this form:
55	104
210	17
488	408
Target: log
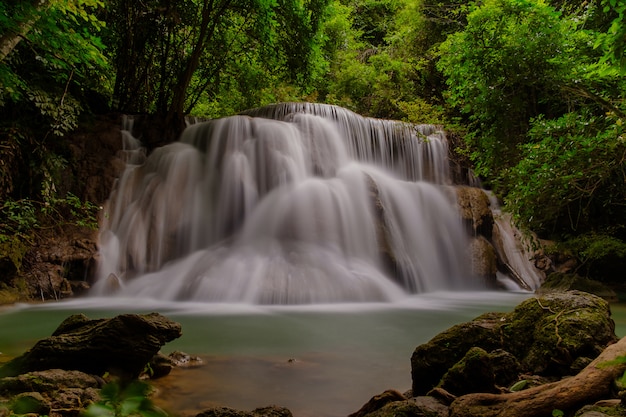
591	384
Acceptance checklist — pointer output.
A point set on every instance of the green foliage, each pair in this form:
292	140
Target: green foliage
196	53
60	49
519	385
613	41
369	72
420	111
375	19
503	69
20	220
598	255
572	176
128	401
61	114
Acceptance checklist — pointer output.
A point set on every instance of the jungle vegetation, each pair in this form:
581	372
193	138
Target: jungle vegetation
535	88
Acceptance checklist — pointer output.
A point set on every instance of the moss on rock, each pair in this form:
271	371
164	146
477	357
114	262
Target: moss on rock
545	334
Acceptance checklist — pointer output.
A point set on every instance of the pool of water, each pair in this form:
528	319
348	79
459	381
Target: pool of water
323	360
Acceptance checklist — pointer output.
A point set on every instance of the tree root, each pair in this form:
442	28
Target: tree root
591	384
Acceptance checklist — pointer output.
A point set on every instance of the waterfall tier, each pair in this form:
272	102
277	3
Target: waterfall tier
287	204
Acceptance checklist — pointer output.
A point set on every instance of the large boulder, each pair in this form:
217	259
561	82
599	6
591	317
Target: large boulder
547	336
122	345
432	360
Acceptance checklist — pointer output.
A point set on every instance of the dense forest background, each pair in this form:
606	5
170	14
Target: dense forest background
534	89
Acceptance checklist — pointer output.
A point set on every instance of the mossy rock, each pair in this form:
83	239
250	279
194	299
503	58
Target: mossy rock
432	360
473	373
481	371
547	334
559	281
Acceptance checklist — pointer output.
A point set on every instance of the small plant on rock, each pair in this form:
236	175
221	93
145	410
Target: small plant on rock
124	401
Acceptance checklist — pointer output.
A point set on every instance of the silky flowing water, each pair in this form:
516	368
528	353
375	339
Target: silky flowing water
305	250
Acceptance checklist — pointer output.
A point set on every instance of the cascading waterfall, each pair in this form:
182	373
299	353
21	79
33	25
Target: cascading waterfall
288	204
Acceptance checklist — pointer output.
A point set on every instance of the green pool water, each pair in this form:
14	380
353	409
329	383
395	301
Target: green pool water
318	361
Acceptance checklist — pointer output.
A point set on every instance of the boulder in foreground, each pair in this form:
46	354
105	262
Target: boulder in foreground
122	345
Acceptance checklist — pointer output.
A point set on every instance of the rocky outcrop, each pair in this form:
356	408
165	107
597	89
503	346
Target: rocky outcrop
546	335
557	351
475	209
493	237
122	345
54	392
58	260
64	374
270	411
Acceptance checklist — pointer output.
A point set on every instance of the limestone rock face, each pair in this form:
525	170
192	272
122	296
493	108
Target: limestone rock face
475	209
122	345
545	335
484	260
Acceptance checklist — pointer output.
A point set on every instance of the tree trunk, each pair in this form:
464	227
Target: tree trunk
591	384
10	39
211	13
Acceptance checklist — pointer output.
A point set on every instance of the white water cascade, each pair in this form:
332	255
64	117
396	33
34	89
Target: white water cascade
288	204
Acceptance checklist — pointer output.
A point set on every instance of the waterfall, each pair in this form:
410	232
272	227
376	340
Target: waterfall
292	203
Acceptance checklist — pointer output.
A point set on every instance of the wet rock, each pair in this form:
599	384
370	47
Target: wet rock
30	403
475	209
602	409
548	333
270	411
158	367
392	404
54	392
432	360
484	260
481	371
57	265
122	345
183	359
471	374
545	335
379	401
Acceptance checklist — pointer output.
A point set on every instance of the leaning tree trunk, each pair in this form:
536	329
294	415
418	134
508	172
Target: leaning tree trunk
10	39
591	384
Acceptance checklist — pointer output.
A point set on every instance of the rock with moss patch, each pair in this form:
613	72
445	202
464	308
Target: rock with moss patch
122	345
432	360
546	335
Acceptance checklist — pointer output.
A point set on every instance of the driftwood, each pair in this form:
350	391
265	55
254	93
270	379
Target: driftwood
591	384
